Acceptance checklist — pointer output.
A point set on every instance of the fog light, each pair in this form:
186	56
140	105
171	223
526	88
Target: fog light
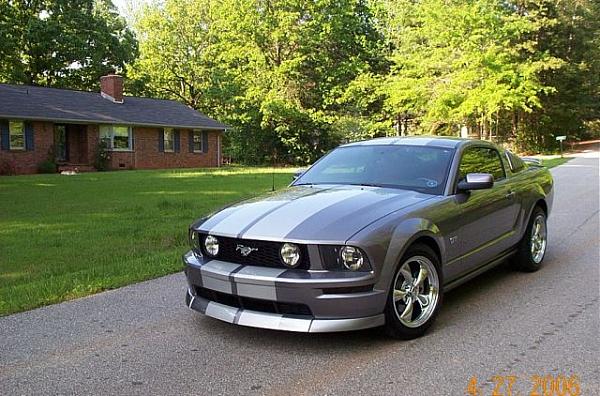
352	258
211	244
290	254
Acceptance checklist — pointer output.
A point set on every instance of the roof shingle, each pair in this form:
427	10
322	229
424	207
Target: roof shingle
41	103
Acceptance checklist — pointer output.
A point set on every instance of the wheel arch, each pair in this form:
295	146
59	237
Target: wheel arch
425	233
542	204
428	241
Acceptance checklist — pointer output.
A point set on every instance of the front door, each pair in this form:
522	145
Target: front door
61	152
488	216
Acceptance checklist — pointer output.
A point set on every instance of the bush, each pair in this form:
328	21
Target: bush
47	166
102	159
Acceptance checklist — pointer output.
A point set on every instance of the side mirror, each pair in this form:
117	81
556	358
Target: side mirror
476	181
298	173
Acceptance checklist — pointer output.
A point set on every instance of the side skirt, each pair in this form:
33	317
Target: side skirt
478	271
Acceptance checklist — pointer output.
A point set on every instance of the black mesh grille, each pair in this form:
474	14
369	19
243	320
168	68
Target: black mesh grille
330	257
266	255
253	303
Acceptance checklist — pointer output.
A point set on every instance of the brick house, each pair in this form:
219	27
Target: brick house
38	123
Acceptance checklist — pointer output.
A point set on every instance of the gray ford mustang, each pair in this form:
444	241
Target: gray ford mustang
371	235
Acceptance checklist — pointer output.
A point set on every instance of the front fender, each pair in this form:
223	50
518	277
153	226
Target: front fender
387	244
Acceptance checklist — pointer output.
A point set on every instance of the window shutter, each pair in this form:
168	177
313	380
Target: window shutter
4	137
176	141
204	142
131	139
161	140
191	141
29	136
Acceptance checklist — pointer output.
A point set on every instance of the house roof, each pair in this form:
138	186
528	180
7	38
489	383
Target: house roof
52	104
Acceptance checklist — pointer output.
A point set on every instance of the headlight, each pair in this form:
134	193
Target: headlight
211	244
352	258
290	254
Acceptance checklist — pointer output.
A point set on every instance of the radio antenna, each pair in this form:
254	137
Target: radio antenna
273	171
273	181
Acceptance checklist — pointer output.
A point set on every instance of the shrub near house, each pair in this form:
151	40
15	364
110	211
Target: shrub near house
40	125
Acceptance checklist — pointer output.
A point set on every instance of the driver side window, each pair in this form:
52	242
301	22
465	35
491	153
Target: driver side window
481	160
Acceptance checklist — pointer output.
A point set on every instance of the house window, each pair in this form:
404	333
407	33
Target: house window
169	139
198	141
16	130
116	137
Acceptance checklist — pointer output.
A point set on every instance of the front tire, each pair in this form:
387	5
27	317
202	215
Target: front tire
415	295
532	247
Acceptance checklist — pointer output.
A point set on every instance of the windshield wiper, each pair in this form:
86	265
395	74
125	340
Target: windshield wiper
365	184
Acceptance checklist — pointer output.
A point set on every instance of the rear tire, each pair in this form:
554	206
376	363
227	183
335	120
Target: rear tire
532	247
415	294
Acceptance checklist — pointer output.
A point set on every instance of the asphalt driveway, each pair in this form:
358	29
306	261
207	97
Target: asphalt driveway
142	339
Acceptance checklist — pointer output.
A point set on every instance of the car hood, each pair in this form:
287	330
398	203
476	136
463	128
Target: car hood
317	214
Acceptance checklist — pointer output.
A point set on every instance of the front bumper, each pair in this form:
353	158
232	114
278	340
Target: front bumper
338	301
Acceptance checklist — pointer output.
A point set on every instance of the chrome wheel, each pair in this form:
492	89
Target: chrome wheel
538	239
416	291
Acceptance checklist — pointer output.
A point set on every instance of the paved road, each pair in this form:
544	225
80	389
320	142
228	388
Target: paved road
142	340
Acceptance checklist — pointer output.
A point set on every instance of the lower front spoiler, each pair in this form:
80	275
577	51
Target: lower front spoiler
266	320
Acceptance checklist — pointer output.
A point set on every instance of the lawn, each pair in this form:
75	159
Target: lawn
63	237
554	161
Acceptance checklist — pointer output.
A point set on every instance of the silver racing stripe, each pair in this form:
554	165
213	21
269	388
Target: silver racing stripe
216	218
353	213
266	213
228	221
222	312
257	282
243	214
282	221
215	275
273	321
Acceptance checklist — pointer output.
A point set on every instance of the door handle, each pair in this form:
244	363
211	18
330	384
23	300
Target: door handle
510	195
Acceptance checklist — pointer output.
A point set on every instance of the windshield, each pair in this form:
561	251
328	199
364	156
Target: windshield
420	168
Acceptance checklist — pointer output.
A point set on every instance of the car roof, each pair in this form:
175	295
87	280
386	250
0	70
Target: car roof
433	141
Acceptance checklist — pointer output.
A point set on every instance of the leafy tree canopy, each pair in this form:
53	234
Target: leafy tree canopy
62	43
272	69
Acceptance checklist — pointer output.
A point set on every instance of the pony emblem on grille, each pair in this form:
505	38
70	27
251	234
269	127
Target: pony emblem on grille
245	250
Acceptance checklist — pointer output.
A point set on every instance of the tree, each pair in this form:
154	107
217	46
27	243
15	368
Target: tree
463	63
271	69
518	71
293	78
62	43
574	105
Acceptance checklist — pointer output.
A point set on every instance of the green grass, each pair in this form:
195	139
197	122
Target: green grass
63	237
552	162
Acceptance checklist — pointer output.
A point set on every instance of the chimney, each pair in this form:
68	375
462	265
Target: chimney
111	88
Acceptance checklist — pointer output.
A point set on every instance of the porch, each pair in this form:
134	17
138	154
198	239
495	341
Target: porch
74	147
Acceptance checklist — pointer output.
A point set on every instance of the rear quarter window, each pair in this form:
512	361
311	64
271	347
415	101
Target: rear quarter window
515	162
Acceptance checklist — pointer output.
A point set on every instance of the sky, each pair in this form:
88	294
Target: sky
128	7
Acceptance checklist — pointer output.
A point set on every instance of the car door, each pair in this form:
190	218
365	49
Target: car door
487	216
